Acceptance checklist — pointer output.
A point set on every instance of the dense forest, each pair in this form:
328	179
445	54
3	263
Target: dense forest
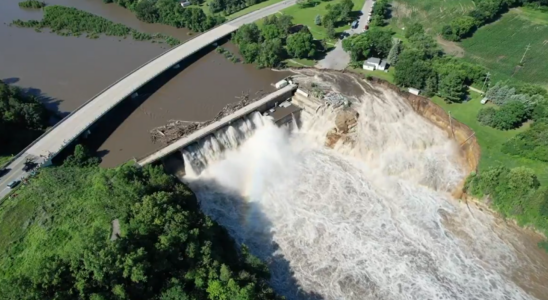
71	21
78	231
22	119
171	13
486	11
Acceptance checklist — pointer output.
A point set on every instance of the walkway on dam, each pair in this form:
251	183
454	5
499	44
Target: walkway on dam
277	96
54	140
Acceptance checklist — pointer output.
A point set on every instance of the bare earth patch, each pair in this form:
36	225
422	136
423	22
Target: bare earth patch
449	47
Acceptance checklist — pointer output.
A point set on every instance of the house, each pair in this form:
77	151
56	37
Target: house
374	63
414	91
185	3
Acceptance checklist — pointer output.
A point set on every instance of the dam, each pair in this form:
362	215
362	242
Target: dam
283	107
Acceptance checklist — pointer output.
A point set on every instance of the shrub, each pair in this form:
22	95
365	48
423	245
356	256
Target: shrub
486	116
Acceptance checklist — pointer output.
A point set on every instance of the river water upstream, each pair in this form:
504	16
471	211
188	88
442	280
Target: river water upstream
67	71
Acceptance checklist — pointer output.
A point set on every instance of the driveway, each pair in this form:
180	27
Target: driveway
338	59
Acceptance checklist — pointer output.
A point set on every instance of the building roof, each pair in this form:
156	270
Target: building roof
382	64
373	60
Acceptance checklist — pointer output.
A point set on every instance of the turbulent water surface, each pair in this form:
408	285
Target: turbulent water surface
372	219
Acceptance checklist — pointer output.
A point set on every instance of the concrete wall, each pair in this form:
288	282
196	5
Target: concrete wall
261	105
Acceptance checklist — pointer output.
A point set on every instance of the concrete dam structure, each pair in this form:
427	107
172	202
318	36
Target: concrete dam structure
230	131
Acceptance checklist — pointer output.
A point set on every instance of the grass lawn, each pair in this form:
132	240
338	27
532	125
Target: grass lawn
500	46
252	8
306	16
388	76
298	62
490	139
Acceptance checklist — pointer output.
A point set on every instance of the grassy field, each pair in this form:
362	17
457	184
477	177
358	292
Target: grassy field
490	139
388	76
252	8
500	46
4	159
432	14
306	16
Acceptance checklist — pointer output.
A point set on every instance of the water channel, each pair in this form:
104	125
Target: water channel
67	71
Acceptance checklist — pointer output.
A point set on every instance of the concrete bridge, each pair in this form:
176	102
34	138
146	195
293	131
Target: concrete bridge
72	126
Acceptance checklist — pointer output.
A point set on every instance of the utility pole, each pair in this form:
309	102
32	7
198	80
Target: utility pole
526	49
485	81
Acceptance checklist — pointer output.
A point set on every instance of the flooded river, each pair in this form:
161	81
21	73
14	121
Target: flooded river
67	71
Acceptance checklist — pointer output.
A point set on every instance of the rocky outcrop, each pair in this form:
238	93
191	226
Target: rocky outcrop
345	121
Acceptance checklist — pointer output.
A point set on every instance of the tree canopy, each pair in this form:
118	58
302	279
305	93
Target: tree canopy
22	119
301	45
82	232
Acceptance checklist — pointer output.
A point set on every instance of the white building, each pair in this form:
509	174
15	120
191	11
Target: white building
185	3
414	91
374	63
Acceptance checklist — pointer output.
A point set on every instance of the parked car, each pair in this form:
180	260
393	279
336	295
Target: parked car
14	183
355	24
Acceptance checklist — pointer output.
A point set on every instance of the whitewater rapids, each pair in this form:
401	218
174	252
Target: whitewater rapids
372	219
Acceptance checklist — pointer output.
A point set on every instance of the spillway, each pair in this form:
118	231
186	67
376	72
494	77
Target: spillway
370	217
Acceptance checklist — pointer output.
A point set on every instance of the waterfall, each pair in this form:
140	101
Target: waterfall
211	148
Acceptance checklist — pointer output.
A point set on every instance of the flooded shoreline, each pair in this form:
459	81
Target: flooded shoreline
67	71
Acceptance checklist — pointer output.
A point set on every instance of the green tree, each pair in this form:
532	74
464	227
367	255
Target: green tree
318	20
270	32
414	29
146	11
250	52
330	28
82	157
248	33
412	70
511	115
451	87
271	53
301	45
346	9
394	51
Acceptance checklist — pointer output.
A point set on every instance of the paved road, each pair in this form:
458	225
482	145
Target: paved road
83	117
338	59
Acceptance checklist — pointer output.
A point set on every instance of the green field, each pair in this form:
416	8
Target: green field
388	76
252	8
432	14
500	46
306	16
490	139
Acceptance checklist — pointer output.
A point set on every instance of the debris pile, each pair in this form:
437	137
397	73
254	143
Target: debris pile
176	129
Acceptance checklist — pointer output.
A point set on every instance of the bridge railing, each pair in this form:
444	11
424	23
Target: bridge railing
67	141
97	95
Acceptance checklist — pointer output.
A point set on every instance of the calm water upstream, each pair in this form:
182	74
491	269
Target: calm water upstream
67	71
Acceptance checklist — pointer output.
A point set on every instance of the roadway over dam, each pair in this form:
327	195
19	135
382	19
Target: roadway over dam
80	120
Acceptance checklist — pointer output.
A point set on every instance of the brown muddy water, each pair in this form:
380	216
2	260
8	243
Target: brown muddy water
67	71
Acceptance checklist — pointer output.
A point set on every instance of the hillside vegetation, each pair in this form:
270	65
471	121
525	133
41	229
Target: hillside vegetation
81	232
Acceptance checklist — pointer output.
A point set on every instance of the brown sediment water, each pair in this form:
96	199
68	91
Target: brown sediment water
67	71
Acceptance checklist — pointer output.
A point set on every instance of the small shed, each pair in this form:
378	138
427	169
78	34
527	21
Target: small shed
484	100
382	65
185	3
280	84
414	91
372	63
